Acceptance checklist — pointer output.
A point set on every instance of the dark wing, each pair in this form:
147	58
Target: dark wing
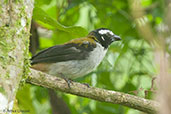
60	53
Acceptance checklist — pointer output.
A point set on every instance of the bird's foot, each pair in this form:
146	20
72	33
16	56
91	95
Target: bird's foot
68	81
86	85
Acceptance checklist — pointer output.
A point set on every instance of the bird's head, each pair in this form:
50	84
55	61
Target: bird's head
104	36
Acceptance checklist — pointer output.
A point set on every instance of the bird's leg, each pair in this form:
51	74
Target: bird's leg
68	81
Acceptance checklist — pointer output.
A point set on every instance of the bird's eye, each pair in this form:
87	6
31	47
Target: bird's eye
108	34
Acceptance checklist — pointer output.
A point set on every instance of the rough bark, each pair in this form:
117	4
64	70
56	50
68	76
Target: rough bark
45	80
15	18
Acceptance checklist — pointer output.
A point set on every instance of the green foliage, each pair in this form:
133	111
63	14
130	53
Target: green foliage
128	65
25	100
41	17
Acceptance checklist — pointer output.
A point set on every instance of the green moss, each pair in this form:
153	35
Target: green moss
26	67
26	50
7	74
6	34
4	47
26	57
8	43
23	13
2	90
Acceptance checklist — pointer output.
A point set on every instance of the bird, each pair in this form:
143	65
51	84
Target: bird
75	58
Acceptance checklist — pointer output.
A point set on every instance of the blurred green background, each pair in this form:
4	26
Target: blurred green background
128	66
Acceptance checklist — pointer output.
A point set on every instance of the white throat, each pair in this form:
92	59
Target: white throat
97	54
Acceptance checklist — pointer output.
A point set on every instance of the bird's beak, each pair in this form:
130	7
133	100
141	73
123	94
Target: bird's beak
116	38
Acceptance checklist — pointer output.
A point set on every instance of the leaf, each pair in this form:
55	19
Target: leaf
25	100
45	20
42	2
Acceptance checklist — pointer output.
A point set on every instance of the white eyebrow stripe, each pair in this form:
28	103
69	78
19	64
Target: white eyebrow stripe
102	38
105	31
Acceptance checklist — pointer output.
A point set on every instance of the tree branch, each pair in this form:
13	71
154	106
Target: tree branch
45	80
15	19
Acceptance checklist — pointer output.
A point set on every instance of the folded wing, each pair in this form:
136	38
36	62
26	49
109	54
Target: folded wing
66	52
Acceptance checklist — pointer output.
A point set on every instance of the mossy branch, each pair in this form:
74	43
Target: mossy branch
45	80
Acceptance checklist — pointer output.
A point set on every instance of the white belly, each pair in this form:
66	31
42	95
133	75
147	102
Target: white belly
78	68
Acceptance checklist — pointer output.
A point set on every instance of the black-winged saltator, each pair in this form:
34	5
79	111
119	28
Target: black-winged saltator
77	57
